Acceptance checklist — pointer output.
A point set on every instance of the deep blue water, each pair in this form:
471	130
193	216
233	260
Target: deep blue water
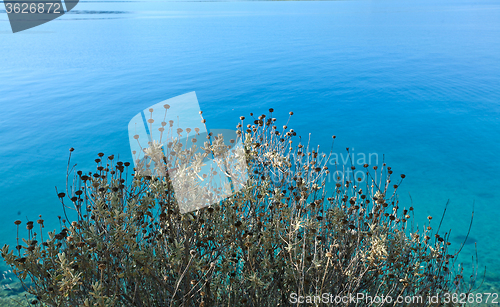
416	82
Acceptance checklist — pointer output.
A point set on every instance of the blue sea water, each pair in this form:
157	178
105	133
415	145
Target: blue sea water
415	83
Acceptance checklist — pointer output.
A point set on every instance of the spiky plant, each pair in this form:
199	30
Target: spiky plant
292	231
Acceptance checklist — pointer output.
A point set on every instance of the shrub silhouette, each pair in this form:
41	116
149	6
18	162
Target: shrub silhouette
283	234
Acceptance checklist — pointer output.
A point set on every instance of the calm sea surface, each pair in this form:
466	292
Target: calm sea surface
414	83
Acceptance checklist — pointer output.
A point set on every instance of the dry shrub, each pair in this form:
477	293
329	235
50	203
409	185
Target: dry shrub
285	232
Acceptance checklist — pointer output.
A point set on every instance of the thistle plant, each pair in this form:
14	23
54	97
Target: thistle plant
286	230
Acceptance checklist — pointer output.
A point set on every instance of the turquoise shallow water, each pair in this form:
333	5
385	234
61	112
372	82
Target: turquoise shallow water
414	82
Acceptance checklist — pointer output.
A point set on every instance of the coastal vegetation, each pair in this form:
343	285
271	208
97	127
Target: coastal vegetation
289	232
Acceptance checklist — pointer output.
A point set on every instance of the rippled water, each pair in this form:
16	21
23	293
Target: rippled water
415	82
